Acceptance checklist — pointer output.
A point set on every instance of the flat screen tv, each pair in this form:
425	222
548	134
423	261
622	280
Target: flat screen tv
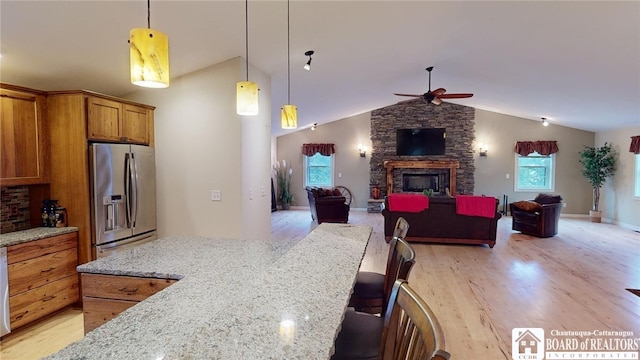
419	142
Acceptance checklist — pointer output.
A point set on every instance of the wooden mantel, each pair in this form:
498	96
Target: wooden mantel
424	164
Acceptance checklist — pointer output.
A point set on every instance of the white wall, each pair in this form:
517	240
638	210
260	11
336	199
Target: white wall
500	133
346	134
202	144
616	196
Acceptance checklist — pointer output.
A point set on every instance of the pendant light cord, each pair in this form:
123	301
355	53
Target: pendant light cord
288	58
149	14
246	32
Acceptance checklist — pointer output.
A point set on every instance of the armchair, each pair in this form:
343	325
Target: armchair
538	217
327	205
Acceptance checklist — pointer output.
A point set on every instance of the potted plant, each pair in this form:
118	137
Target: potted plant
283	179
598	164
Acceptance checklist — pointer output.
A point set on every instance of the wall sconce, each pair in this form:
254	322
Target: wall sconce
362	150
483	150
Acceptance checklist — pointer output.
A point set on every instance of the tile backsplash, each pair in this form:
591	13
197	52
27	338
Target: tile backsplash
14	209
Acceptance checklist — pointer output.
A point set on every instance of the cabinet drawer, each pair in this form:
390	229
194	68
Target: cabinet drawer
121	287
32	273
34	304
33	249
98	311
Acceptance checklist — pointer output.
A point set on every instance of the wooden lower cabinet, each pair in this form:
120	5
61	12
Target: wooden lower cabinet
42	277
98	311
106	296
35	304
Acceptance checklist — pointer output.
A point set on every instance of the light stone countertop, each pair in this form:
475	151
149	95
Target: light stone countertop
237	299
18	237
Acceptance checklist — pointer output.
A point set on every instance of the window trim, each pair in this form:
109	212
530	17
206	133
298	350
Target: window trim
305	171
552	180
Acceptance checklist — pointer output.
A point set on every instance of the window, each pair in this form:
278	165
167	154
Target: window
636	191
318	170
535	172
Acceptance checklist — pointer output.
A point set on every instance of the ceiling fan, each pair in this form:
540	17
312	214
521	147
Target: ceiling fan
434	97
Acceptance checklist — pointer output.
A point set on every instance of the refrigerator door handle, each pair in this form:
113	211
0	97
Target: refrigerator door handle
135	189
127	189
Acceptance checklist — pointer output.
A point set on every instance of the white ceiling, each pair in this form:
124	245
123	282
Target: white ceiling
575	62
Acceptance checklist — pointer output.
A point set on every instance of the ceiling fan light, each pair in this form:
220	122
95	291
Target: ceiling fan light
149	58
246	98
289	116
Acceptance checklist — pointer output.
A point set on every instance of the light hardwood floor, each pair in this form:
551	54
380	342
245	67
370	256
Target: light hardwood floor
573	281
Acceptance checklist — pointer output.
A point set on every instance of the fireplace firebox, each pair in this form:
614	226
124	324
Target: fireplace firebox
420	182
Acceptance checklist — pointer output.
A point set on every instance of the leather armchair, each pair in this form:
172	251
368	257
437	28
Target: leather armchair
325	206
536	218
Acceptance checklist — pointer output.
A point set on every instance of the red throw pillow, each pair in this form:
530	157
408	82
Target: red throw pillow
336	192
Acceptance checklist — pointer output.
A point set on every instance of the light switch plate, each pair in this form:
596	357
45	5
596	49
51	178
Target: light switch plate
216	195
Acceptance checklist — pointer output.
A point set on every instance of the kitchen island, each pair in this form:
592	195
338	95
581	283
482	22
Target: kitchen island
235	299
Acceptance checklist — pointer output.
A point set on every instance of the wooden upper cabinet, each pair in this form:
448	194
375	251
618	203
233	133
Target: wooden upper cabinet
136	124
104	119
24	152
113	121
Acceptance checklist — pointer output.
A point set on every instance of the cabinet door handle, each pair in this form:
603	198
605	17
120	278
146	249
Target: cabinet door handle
48	270
128	291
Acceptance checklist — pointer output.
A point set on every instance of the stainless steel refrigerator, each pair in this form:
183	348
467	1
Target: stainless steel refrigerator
123	187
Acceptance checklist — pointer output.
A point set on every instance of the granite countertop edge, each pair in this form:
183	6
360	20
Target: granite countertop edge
23	236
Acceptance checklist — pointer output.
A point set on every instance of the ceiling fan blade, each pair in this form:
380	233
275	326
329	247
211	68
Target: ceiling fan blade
439	92
414	95
456	96
436	101
407	101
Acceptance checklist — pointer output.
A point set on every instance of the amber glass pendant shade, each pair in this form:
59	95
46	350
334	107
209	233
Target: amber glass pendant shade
289	117
246	98
149	58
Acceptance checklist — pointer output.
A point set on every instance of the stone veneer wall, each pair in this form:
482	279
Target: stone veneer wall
458	120
14	212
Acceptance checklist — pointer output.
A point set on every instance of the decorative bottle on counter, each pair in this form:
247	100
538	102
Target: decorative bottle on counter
48	213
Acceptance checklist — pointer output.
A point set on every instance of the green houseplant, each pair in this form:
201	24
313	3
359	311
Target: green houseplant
598	164
284	176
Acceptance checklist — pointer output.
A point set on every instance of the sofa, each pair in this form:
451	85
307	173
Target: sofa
327	205
441	222
538	217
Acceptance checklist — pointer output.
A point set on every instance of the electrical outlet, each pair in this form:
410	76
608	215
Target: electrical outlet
564	204
14	210
263	192
250	194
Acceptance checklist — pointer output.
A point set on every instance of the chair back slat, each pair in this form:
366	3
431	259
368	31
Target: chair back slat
401	260
411	330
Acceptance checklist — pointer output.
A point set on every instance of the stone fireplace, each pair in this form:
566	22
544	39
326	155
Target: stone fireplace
453	170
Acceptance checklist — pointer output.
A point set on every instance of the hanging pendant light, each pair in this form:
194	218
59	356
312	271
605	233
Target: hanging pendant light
149	55
288	113
247	91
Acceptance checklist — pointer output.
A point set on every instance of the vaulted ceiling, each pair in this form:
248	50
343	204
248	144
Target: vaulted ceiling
574	62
